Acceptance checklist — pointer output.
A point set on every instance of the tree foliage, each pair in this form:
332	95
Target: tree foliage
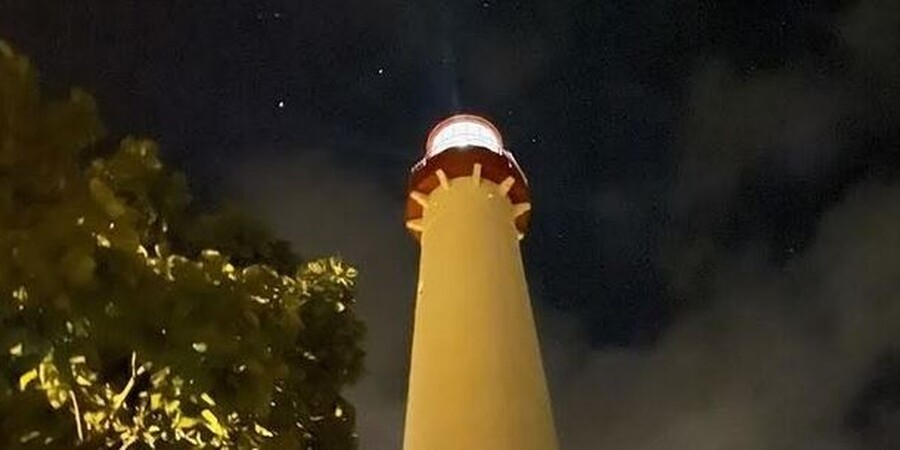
129	321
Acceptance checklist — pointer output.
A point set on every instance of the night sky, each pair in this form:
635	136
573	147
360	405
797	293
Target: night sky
714	257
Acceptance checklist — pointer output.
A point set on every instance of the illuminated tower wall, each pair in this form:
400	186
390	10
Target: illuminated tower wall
476	378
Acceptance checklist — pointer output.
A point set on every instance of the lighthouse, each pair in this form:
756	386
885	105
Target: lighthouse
476	379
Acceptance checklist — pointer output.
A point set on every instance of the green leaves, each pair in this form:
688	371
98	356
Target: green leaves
129	320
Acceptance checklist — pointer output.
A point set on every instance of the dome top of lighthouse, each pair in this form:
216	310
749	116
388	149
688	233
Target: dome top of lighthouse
463	130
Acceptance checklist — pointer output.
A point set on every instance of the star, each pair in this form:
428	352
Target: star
281	104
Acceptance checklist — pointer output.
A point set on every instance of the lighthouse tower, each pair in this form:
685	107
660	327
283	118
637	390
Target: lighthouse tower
476	379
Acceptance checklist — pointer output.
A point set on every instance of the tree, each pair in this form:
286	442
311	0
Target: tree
129	320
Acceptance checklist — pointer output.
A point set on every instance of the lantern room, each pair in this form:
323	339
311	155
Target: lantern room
461	131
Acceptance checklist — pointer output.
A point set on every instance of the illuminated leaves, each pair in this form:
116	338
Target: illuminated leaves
158	414
129	320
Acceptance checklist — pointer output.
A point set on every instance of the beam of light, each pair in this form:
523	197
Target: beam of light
448	61
448	77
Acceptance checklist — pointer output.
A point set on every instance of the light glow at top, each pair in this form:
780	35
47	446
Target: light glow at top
463	130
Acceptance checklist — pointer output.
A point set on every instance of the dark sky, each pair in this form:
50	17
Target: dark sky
715	249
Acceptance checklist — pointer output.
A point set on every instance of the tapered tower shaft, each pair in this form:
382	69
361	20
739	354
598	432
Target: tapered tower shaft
476	379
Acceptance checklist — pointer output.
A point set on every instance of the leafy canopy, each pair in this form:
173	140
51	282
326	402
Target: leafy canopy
129	321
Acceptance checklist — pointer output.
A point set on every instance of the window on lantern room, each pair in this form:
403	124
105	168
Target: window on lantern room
463	134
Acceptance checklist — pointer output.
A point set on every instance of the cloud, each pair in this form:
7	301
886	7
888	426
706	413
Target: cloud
781	353
777	361
784	122
869	30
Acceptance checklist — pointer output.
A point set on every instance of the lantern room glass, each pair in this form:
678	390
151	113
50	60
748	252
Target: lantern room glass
464	131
